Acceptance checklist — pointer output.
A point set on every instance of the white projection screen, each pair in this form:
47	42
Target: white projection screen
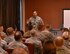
66	18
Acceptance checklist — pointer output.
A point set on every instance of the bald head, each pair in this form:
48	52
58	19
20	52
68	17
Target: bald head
59	41
19	51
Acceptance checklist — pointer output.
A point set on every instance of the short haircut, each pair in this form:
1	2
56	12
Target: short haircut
9	31
17	35
65	29
49	47
48	26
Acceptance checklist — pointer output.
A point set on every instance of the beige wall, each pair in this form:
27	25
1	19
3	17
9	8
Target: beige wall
23	9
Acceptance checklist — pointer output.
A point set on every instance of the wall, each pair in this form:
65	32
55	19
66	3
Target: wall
49	10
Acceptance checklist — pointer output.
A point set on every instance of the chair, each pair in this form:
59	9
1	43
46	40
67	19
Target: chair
9	51
30	47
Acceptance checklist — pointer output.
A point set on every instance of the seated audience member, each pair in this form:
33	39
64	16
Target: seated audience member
60	48
3	43
19	51
10	35
3	34
27	34
33	40
65	32
49	47
66	37
67	41
47	34
39	36
18	42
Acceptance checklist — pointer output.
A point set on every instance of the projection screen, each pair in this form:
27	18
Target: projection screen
66	18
